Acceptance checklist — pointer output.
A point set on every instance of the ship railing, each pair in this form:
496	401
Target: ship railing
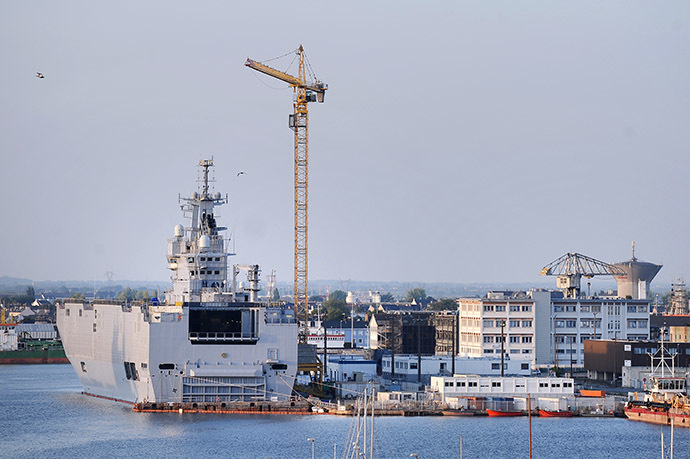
280	320
222	336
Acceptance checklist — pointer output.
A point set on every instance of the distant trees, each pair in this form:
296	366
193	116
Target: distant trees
337	295
444	304
27	298
416	294
387	298
335	307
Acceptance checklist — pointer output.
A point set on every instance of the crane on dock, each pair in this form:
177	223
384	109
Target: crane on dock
570	268
305	90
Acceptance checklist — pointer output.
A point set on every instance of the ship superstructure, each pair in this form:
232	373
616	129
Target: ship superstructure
208	341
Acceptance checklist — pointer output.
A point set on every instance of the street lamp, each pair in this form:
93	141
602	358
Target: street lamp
313	444
503	324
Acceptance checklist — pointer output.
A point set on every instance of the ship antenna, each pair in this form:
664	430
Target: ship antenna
205	163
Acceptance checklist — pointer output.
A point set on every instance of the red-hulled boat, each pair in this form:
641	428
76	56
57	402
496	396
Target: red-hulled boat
503	413
555	414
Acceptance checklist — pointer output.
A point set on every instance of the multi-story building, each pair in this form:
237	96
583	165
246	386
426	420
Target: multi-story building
575	320
517	321
447	333
403	333
546	328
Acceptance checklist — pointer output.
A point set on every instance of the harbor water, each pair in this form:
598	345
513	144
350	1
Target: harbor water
44	414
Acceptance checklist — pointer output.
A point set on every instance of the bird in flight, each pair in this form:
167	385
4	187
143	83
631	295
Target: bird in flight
39	75
240	173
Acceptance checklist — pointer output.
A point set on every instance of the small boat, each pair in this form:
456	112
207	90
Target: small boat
503	413
555	414
457	413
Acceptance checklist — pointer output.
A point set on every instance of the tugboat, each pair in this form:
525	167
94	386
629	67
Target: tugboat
208	342
666	399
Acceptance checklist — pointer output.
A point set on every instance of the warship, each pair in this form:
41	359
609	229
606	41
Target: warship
209	340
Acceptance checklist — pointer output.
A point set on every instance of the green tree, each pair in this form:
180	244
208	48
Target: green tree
78	296
276	294
417	294
387	298
126	294
335	309
444	304
30	294
337	295
142	295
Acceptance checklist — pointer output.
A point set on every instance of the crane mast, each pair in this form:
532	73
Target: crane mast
305	91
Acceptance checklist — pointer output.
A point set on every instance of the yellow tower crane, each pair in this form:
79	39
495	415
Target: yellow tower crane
305	91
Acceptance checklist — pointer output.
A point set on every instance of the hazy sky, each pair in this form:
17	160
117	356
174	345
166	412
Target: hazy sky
460	141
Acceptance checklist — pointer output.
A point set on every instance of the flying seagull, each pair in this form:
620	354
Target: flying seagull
240	173
39	75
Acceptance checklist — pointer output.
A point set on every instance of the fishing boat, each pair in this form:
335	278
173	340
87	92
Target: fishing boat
457	413
503	413
555	414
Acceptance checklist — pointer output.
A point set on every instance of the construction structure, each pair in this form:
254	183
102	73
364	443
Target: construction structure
679	299
634	284
305	90
571	267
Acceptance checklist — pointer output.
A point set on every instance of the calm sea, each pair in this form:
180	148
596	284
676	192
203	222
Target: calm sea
43	414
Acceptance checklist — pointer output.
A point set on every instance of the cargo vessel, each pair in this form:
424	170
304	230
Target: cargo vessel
665	399
32	352
208	341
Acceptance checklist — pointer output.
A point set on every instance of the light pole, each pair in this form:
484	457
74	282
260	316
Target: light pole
313	444
503	324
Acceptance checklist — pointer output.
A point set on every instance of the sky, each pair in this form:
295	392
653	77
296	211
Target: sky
459	141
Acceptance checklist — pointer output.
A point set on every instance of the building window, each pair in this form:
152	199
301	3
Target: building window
514	308
560	324
514	324
500	308
514	339
495	366
488	323
557	308
488	339
571	323
495	384
527	308
488	308
527	323
488	351
527	351
524	366
526	339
